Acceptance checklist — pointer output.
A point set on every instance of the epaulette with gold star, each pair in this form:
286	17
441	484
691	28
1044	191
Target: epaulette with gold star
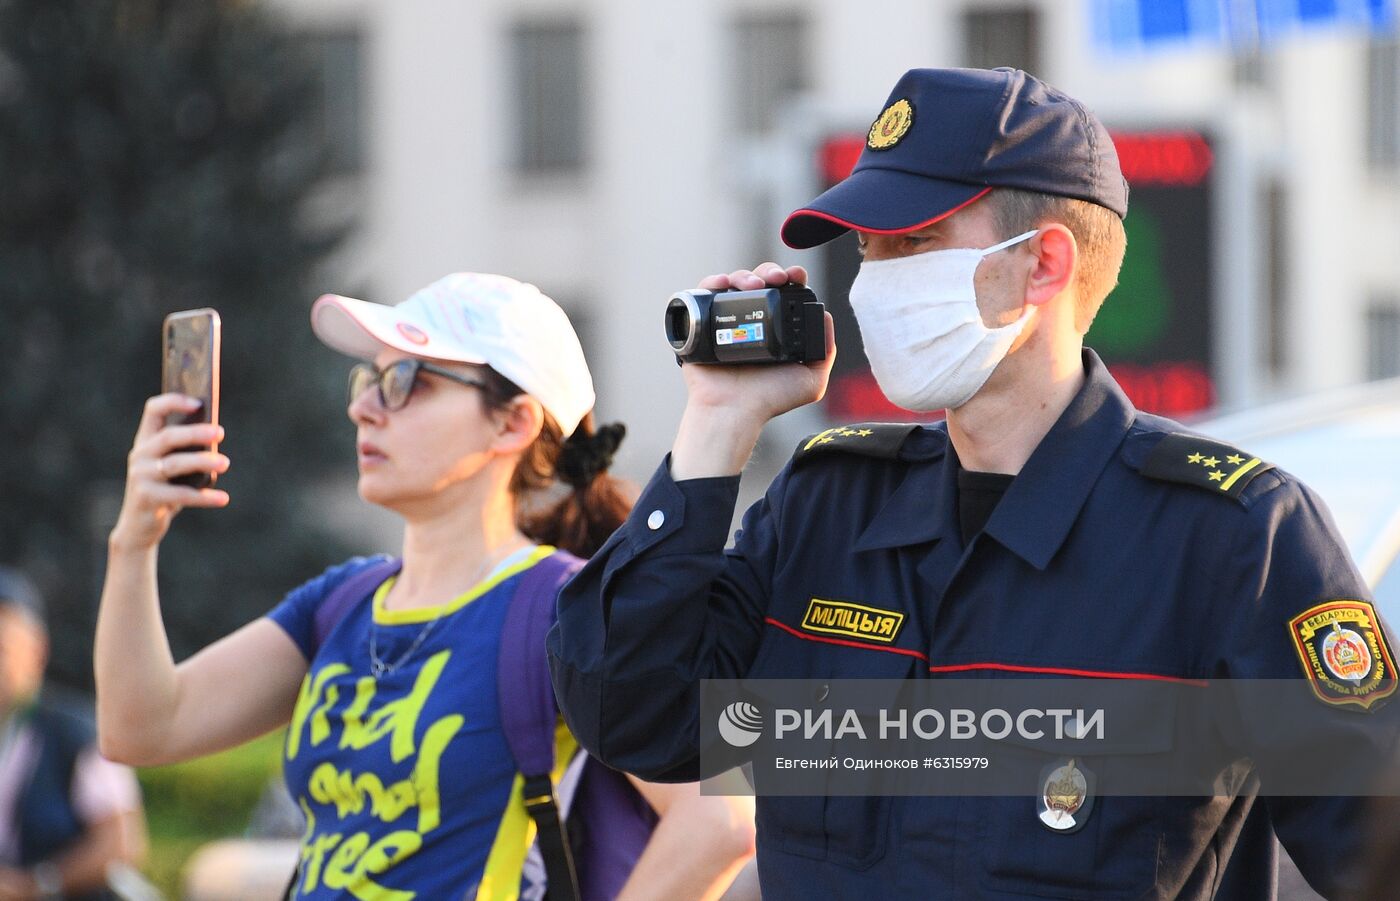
1208	464
867	439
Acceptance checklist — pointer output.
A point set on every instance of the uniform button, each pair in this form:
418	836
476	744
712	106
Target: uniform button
656	520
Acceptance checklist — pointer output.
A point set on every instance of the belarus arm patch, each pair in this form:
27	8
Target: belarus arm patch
1344	653
1212	465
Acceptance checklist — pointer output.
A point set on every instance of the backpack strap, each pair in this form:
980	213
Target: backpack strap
345	595
529	711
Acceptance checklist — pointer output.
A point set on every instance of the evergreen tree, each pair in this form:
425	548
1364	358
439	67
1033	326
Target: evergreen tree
156	155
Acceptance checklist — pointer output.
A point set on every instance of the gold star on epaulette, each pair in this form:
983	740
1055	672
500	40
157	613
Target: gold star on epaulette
879	440
827	436
1203	462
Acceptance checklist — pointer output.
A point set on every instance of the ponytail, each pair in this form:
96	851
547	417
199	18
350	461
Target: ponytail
594	504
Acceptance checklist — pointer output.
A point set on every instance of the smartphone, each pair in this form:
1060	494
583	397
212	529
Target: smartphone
190	366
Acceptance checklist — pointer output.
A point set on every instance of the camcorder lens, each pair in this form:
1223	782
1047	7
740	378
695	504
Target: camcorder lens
677	324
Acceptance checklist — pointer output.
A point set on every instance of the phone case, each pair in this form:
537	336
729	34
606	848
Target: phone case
190	365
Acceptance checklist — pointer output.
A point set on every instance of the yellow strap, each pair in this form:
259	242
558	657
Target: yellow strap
1225	485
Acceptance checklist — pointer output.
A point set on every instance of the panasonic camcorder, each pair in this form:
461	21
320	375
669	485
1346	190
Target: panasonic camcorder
773	325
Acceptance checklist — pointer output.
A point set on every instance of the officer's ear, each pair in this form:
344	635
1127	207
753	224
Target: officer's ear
1057	258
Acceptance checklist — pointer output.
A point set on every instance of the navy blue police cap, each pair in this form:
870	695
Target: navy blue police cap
946	137
16	589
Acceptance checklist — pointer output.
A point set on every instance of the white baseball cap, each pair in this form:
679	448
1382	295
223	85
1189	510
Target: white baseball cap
470	317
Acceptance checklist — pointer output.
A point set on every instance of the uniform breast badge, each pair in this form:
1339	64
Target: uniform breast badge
1344	653
1066	796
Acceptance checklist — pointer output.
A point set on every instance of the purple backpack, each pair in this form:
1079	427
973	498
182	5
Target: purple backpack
589	856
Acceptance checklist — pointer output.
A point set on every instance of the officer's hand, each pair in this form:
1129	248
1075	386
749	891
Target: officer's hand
762	391
729	405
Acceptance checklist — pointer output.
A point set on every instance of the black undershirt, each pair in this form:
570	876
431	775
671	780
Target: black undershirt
978	495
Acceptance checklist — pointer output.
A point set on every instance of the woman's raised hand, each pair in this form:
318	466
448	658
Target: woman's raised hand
151	500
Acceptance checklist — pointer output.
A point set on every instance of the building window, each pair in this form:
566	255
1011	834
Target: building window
339	60
770	65
1383	339
549	96
1383	103
1009	36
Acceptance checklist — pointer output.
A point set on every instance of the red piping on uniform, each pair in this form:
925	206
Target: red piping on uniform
884	231
1062	671
1007	667
849	644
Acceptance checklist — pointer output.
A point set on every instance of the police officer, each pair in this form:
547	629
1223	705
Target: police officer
1046	527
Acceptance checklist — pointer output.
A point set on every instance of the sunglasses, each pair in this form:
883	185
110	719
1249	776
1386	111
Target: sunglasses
395	381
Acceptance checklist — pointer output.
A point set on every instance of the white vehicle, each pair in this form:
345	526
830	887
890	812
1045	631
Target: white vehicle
1346	446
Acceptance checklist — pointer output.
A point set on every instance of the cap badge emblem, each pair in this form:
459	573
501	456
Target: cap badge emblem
412	333
892	125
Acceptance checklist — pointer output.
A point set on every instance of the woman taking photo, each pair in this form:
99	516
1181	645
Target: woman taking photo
471	398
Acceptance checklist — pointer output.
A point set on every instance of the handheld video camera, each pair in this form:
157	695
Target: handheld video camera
773	325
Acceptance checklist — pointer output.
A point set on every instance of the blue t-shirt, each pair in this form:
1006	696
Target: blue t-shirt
406	781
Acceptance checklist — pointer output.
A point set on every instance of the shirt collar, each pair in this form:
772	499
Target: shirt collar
922	508
1036	513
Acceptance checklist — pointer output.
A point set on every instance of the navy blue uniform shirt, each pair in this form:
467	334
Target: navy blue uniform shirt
1093	564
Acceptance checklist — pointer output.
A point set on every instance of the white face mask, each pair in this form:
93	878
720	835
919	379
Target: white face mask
924	337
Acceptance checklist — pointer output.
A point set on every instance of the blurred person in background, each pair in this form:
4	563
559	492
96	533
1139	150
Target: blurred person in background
472	404
66	814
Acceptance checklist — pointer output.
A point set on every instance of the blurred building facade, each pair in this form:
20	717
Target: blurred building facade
613	151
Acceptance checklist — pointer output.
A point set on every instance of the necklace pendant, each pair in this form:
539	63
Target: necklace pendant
378	668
